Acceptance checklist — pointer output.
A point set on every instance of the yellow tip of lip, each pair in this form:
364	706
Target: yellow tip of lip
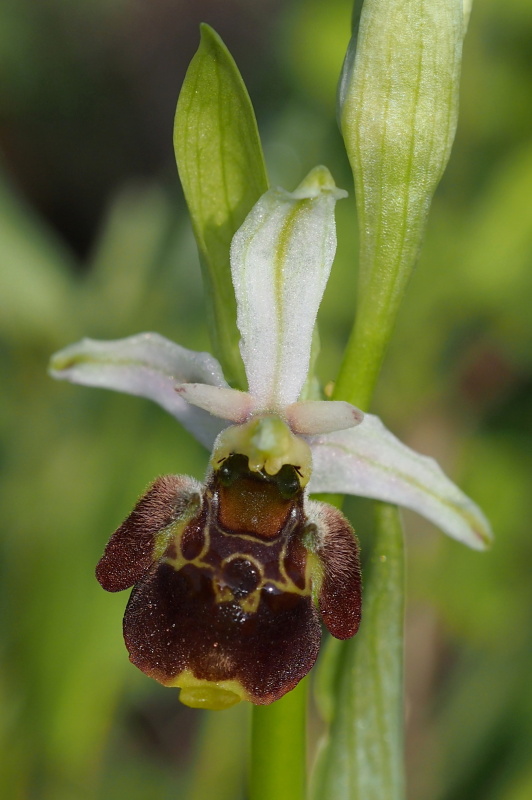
201	693
208	696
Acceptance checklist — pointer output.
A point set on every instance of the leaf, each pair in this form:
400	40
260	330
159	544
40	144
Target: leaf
221	166
363	756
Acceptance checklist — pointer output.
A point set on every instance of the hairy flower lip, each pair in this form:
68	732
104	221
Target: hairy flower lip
223	599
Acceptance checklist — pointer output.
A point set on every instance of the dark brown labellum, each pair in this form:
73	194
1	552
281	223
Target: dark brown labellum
222	605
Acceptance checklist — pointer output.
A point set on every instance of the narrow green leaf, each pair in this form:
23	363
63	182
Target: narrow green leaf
363	757
398	105
398	102
221	166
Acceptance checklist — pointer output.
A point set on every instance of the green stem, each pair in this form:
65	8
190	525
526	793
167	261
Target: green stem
363	759
367	698
278	748
364	354
219	778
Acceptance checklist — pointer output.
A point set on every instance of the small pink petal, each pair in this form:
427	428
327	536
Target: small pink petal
228	404
313	417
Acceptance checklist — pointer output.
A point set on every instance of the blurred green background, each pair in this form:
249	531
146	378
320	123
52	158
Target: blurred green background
94	240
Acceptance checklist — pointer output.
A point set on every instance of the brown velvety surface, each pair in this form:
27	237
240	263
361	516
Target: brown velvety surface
173	622
130	551
340	597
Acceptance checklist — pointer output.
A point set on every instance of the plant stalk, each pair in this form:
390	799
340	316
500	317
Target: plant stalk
278	748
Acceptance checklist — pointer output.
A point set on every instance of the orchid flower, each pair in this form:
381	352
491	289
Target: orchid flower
232	577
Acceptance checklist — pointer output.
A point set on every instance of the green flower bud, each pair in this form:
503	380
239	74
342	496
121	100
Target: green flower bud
398	102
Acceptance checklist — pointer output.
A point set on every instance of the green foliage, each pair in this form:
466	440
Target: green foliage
221	167
398	125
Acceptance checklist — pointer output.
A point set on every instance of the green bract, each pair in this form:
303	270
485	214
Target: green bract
398	110
221	166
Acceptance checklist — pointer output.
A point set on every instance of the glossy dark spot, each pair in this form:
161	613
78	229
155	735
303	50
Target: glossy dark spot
241	576
232	468
278	601
288	482
173	622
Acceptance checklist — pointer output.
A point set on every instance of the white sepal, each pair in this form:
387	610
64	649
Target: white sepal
281	258
371	462
147	365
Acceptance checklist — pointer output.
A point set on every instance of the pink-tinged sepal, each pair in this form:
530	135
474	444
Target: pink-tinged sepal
340	593
144	535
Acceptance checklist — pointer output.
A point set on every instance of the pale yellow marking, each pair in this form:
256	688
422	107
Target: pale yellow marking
199	693
223	594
